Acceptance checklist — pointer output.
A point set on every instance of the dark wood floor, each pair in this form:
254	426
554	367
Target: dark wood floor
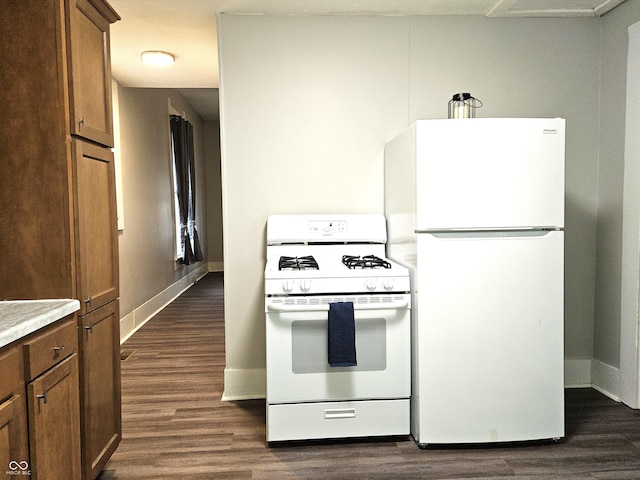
176	427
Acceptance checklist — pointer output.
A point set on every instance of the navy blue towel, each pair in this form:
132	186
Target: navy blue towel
342	335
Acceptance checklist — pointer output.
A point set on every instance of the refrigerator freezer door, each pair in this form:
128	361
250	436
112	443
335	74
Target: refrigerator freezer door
489	356
489	173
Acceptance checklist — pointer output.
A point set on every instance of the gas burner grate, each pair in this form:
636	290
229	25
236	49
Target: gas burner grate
298	263
367	261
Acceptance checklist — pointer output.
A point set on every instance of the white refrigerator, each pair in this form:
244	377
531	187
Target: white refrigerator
475	209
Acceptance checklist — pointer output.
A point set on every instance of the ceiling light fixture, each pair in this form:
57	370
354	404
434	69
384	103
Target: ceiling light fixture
157	58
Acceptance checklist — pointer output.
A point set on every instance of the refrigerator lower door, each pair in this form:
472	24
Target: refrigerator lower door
488	352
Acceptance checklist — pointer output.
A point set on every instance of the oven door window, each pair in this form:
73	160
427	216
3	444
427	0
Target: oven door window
309	346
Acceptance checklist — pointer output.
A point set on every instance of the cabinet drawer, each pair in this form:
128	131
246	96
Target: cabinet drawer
44	351
10	373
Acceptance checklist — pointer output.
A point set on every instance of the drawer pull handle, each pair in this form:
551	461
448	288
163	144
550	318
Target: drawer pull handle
42	396
340	413
89	328
88	301
58	350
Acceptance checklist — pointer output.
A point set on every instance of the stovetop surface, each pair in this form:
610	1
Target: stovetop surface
328	259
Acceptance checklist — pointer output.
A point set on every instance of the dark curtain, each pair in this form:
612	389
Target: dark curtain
182	139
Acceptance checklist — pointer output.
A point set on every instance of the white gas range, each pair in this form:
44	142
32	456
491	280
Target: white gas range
320	268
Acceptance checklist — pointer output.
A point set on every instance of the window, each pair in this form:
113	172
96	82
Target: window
188	249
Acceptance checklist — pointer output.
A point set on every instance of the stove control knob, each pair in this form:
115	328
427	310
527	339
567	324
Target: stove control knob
388	283
287	286
305	285
371	283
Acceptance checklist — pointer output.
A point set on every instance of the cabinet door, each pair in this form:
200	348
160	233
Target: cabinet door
90	78
14	453
54	422
101	424
95	228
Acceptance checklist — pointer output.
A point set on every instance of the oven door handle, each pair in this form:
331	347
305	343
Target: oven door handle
325	307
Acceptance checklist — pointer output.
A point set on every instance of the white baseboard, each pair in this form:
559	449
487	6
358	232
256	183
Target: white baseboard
216	266
244	383
589	372
577	372
130	323
606	379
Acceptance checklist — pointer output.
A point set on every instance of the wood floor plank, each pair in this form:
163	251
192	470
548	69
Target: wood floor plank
175	425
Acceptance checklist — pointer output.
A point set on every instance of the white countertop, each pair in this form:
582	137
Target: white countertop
19	318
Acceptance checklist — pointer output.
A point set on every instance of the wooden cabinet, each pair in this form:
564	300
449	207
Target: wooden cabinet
90	80
14	450
100	387
95	224
35	204
40	409
51	369
97	269
47	76
57	192
54	422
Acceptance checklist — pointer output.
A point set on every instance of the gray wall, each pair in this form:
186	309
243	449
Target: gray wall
616	315
318	97
214	195
611	176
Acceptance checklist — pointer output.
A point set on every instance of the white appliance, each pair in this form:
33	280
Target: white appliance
475	210
312	262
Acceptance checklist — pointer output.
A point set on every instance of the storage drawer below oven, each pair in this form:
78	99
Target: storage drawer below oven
367	418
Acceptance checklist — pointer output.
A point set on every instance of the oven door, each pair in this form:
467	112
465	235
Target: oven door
297	346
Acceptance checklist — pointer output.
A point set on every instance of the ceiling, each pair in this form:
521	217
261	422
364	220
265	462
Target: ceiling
187	29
